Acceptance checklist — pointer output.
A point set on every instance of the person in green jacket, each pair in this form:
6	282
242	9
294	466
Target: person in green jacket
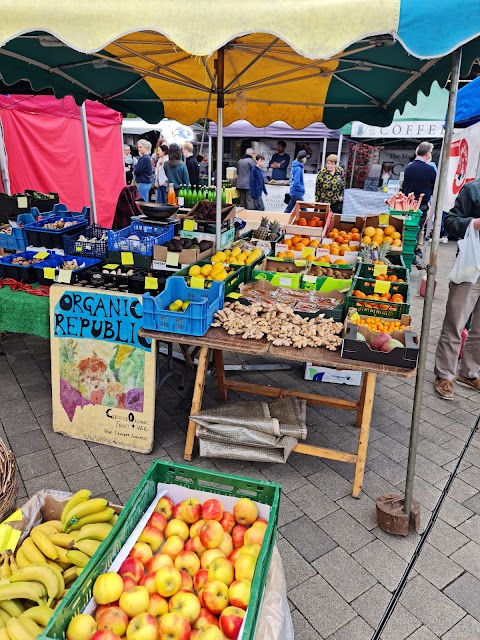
176	169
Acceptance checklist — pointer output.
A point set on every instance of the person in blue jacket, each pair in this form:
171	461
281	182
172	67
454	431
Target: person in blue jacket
257	183
297	186
142	171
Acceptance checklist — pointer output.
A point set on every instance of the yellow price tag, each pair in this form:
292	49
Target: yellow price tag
127	258
307	251
384	218
189	225
110	267
41	255
151	283
49	273
379	269
197	283
235	296
173	259
381	286
299	263
65	276
355	317
22	202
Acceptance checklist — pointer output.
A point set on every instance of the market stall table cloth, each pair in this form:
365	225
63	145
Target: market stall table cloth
22	312
357	202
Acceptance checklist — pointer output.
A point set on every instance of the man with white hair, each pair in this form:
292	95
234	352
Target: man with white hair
244	167
129	162
143	169
419	178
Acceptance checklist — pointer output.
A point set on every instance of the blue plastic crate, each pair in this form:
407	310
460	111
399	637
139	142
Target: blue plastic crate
75	247
15	240
55	261
18	272
149	236
61	210
195	320
38	236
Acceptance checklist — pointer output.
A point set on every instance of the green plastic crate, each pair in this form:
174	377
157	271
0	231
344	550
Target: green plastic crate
194	479
232	282
394	309
366	271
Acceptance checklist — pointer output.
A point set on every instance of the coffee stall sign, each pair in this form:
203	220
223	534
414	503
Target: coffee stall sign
103	372
419	129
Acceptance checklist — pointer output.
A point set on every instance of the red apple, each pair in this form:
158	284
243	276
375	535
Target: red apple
239	593
186	583
158	520
142	551
177	527
196	528
148	581
143	627
158	561
167	581
227	521
108	588
238	535
177	511
157	605
234	555
254	535
102	608
81	626
132	568
165	506
212	510
200	598
173	546
113	619
134	601
231	621
173	626
226	544
245	511
104	634
211	534
215	596
196	546
209	556
187	561
208	632
152	536
205	618
128	583
186	604
200	579
191	510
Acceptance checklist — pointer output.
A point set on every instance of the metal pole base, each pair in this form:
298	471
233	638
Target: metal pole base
392	518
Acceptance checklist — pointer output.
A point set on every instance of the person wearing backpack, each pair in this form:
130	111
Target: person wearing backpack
297	185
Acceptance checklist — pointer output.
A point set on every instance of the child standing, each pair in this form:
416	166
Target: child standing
257	183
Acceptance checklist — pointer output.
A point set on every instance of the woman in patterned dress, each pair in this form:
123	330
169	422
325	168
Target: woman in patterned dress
330	184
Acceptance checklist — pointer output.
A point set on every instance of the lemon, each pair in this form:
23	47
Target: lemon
185	305
178	303
236	252
174	306
220	277
256	252
218	266
251	258
221	255
194	270
216	258
206	269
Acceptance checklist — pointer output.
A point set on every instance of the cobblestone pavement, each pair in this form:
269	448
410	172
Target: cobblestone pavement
341	568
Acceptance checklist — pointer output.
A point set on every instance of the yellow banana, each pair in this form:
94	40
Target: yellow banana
55	524
26	590
113	519
82	510
88	546
4	633
40	615
70	575
18	631
59	571
63	540
4	617
5	571
98	531
78	558
14	608
44	574
62	556
21	558
46	528
32	552
99	516
43	542
31	626
13	564
80	496
65	593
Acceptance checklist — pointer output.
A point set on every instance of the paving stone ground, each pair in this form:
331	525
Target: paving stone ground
341	568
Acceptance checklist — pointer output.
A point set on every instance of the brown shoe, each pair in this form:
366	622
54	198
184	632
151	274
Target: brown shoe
469	382
444	388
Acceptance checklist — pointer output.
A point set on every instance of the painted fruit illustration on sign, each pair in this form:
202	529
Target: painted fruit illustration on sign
100	373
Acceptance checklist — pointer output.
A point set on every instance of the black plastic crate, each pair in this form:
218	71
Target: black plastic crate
28	275
55	262
98	249
38	236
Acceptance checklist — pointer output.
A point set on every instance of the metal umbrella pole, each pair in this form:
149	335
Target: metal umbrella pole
88	158
431	272
220	106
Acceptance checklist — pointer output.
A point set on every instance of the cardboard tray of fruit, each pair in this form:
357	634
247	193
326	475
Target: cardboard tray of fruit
398	349
281	273
384	228
177	580
309	218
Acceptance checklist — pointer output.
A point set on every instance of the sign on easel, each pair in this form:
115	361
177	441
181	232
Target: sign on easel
103	373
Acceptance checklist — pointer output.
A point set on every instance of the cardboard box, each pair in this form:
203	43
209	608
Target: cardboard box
208	226
354	349
405	319
172	259
334	376
316	209
337	223
384	220
267	270
299	255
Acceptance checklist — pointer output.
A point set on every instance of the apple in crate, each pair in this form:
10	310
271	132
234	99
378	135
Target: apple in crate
239	593
187	561
209	556
152	536
186	604
238	535
167	581
128	583
204	619
200	579
196	528
231	621
254	535
158	520
177	511
186	583
191	510
195	544
104	634
227	521
173	626
81	627
245	567
177	527
142	551
173	546
209	632
165	506
252	549
134	601
143	627
211	534
221	569
245	511
212	510
108	588
226	544
215	596
148	581
114	619
132	568
234	555
158	605
158	561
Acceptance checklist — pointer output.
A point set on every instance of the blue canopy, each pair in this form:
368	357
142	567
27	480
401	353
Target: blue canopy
468	104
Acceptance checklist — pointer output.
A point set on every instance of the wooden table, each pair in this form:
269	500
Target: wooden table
217	340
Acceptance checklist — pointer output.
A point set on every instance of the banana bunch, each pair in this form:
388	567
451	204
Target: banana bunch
82	509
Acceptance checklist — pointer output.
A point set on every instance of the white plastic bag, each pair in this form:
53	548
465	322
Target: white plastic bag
466	267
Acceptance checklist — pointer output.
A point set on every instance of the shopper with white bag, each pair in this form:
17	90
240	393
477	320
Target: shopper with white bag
463	301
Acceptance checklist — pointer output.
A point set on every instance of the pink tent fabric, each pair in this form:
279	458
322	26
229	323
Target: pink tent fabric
45	150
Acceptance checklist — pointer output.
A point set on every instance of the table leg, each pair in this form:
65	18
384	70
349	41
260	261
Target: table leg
220	373
198	389
365	414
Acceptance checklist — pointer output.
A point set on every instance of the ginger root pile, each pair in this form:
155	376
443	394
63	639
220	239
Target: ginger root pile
279	324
